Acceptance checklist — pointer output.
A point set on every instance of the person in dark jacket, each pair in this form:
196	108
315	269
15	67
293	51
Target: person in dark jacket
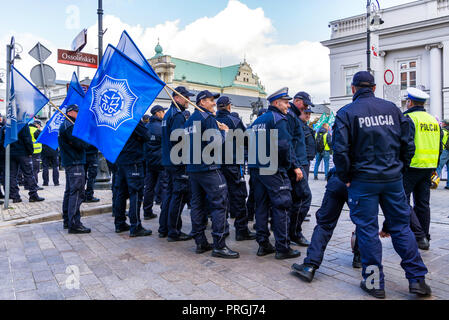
91	169
50	159
21	157
129	182
153	159
372	146
73	158
233	172
309	135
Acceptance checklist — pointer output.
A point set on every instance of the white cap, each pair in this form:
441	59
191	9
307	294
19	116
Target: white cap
417	95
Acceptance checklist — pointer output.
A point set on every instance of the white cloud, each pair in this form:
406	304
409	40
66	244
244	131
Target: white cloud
226	38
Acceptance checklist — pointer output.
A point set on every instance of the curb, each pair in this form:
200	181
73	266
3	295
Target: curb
55	216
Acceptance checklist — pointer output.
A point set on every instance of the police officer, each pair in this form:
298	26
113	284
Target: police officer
327	217
272	187
444	159
73	158
129	183
301	194
209	188
170	222
371	147
35	131
50	159
91	169
417	178
233	172
309	135
153	158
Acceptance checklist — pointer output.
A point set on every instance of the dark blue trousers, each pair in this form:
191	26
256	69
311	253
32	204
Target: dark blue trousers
250	205
173	202
36	166
53	163
129	183
418	182
272	191
209	195
364	200
26	166
302	199
327	217
152	176
91	169
73	195
237	194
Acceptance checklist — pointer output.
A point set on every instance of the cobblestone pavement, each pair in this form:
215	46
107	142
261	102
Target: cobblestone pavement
34	260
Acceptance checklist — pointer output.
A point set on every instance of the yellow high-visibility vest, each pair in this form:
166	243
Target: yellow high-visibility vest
427	140
326	145
445	138
37	146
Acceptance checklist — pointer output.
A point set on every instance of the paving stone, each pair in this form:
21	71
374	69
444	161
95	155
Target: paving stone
24	285
42	276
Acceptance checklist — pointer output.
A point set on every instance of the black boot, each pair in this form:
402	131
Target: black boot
265	249
357	261
305	271
424	244
225	253
420	288
376	293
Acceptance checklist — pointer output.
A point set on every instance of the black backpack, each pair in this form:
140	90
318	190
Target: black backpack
320	142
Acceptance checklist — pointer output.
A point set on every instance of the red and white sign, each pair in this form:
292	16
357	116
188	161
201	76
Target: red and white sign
389	77
77	59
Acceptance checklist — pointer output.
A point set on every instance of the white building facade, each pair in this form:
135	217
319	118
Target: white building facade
411	49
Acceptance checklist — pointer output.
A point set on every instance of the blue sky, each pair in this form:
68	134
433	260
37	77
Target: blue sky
280	38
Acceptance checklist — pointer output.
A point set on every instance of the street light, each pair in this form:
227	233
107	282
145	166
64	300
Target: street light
371	6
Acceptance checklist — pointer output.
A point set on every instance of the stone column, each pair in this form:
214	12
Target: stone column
436	77
446	79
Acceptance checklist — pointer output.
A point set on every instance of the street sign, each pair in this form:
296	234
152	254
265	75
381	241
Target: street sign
48	72
40	55
77	59
389	77
80	41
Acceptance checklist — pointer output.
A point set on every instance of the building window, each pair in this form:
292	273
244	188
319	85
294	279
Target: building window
349	74
408	74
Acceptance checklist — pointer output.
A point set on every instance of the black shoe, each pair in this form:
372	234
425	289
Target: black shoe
92	200
305	272
40	188
226	235
265	250
2	196
158	203
141	233
424	244
202	248
225	253
245	236
36	199
376	293
2	202
300	241
45	184
79	230
290	254
123	228
315	178
149	217
163	235
357	261
182	237
65	225
420	288
57	184
17	200
447	188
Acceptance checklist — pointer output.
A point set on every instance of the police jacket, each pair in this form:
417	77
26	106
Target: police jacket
273	119
73	150
297	133
371	140
309	135
224	116
153	148
91	150
23	147
48	152
207	121
132	152
173	119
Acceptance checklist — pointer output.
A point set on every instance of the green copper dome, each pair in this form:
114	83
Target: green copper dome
158	50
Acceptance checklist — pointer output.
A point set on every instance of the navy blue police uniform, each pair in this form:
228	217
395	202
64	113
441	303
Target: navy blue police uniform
372	146
73	159
208	185
50	159
153	160
301	194
233	173
174	200
309	135
91	169
273	189
129	182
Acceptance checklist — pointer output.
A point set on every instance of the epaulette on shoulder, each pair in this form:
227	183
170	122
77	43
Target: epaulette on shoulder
234	120
278	117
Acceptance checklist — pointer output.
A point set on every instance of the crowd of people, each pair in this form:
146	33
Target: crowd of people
381	157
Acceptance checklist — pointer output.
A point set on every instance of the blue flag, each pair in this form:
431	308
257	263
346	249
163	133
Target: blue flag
128	47
24	103
119	95
75	95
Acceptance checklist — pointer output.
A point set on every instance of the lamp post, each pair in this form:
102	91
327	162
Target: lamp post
371	5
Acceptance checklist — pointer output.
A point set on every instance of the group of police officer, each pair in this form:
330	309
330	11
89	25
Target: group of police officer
381	157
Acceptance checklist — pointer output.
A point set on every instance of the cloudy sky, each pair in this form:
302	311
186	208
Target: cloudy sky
280	39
